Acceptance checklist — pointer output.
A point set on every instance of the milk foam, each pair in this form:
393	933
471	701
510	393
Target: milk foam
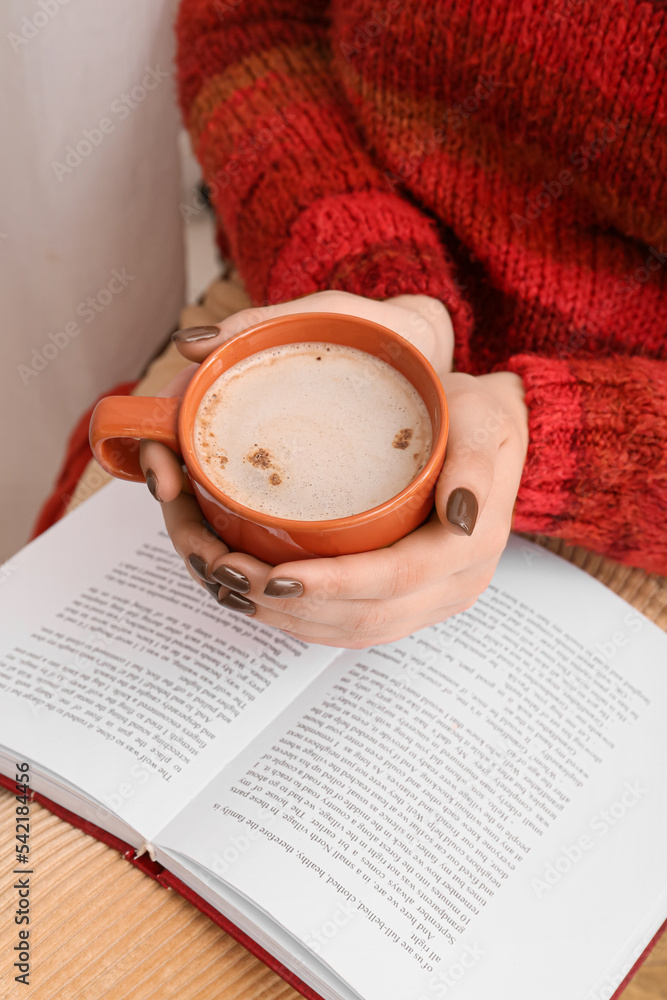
312	432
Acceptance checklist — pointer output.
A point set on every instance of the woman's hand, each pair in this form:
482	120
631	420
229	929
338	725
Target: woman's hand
438	570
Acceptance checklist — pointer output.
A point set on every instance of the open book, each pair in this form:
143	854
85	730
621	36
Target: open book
480	808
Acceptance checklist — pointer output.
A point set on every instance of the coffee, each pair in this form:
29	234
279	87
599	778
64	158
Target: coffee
312	432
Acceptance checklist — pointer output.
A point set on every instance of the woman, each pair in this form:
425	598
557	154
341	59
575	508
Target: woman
487	178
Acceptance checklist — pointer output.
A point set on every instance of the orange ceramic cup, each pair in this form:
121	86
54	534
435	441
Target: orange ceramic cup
118	423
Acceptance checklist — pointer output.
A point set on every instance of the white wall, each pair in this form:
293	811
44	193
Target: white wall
101	223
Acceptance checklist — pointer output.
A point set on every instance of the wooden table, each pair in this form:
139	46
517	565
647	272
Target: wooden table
102	930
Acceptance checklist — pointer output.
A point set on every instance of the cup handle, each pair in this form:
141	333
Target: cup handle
119	422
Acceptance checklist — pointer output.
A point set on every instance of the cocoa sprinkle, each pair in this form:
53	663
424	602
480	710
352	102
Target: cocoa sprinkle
403	438
260	459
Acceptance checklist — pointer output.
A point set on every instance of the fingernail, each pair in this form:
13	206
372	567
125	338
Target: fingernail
232	579
237	603
151	483
193	333
213	589
462	509
281	587
199	567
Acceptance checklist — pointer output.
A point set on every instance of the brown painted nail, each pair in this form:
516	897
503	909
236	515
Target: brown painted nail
282	587
199	567
151	483
462	509
237	603
194	333
213	589
232	579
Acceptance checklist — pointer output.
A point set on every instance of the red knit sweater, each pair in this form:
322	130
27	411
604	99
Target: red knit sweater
507	158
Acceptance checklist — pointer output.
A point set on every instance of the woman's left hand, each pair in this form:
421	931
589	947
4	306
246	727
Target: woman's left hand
355	601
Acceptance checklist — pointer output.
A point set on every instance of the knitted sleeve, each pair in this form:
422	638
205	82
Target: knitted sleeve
302	206
596	470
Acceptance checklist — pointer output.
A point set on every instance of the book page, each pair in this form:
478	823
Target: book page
126	678
464	803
